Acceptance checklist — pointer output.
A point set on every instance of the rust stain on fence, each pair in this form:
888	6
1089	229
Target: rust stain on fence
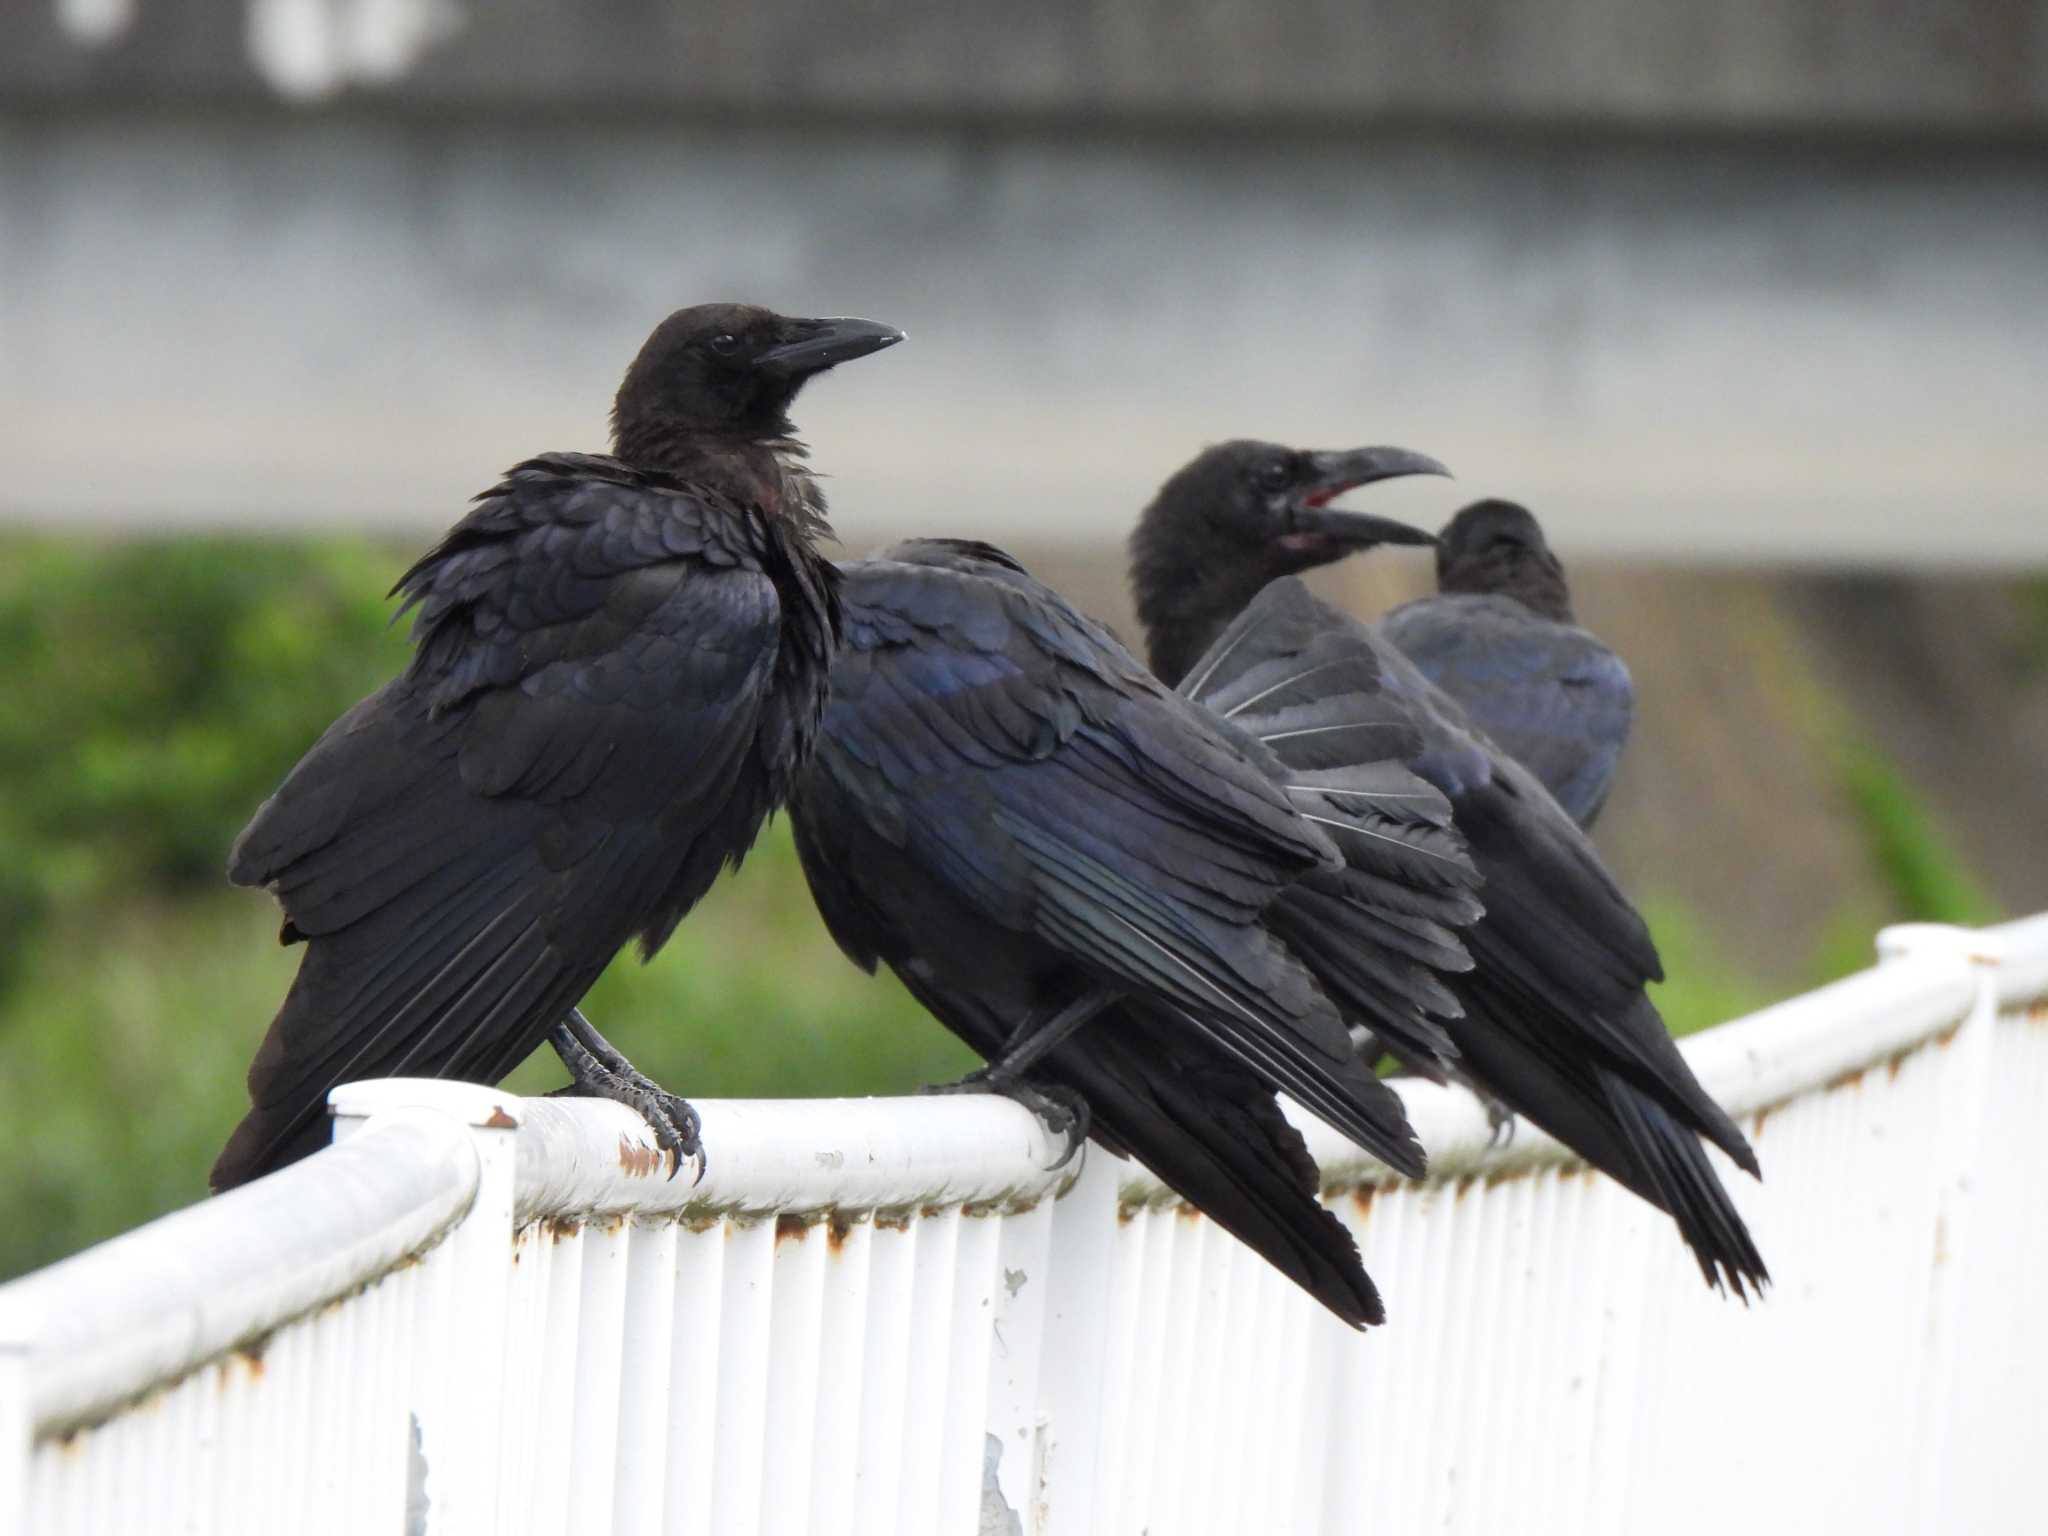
248	1356
790	1228
637	1160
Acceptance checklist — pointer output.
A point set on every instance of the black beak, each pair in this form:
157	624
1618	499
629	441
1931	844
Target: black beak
1336	473
816	345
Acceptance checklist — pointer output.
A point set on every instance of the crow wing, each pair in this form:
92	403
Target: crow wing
1556	1022
568	760
1017	758
1377	932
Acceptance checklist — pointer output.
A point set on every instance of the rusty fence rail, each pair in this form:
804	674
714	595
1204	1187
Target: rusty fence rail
480	1313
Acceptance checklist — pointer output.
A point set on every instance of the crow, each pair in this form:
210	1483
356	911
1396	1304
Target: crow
1556	1022
618	667
1500	639
1066	863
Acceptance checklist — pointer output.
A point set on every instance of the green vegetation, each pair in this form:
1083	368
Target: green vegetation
158	690
129	1027
1917	863
1704	987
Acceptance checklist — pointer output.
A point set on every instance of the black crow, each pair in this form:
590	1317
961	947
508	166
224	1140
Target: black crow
1500	639
1556	1022
1067	864
618	667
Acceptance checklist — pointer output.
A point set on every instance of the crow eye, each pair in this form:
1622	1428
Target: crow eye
1276	475
724	344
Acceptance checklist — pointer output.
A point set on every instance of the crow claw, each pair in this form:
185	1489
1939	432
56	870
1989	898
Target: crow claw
599	1070
1061	1111
1502	1121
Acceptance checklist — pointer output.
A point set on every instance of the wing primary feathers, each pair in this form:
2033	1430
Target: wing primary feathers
1552	1016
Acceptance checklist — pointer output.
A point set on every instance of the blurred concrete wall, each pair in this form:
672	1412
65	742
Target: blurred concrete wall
1957	65
1751	281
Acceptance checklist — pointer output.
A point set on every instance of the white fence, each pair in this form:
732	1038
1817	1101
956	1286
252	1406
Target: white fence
485	1314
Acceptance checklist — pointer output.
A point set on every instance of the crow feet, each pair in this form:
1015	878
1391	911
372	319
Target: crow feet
598	1070
1061	1111
1502	1121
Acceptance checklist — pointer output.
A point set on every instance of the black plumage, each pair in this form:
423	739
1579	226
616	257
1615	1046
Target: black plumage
1500	638
619	663
1555	1020
1013	814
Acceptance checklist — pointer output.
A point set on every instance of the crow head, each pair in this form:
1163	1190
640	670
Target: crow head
730	370
1245	513
1498	547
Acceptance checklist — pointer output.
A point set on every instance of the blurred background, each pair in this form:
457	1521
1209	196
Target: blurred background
1749	302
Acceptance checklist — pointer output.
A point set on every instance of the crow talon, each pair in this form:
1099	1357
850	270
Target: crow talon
598	1070
977	1081
676	1126
1061	1111
1502	1121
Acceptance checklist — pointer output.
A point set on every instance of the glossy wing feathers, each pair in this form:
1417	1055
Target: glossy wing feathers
1550	695
1024	759
1377	932
567	762
1555	1020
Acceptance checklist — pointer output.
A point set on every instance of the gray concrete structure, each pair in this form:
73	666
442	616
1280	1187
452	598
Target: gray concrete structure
1955	66
1113	231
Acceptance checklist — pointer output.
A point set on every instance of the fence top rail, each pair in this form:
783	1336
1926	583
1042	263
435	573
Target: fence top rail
2021	953
1921	991
147	1308
580	1158
583	1158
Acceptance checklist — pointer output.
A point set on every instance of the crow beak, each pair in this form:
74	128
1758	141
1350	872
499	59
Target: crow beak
1317	524
816	345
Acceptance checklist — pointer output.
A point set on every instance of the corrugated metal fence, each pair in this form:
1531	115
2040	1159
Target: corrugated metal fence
485	1314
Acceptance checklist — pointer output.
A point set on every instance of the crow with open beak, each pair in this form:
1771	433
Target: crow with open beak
1256	511
1553	1019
